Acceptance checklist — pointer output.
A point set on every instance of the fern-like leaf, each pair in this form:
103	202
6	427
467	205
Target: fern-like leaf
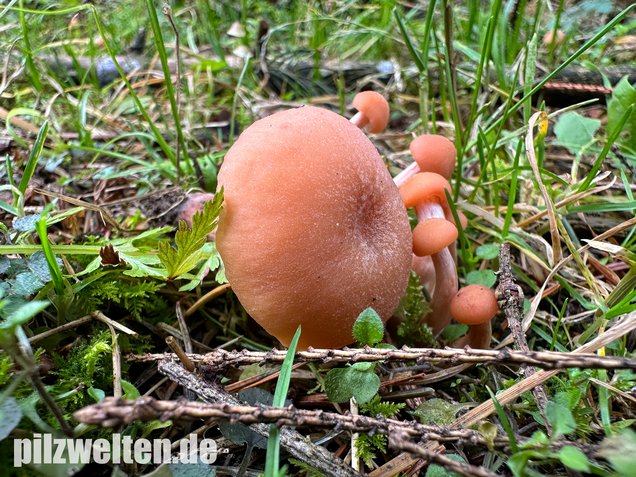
189	241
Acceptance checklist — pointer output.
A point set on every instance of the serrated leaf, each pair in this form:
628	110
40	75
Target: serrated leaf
487	252
26	283
4	264
486	278
573	131
189	240
573	458
623	96
10	415
142	265
39	266
357	381
368	328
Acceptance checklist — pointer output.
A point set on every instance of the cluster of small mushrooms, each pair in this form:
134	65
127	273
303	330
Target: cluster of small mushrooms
314	229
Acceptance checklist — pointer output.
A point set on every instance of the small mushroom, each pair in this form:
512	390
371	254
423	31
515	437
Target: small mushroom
431	153
373	111
476	306
425	192
313	230
432	238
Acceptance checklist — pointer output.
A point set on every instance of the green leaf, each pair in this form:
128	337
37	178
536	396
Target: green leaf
435	470
358	381
487	252
25	284
26	223
573	458
438	411
96	393
368	328
560	419
130	391
573	131
623	96
454	331
620	451
10	415
23	314
486	278
190	241
142	266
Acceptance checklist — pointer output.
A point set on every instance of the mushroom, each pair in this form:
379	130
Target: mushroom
373	111
476	306
425	192
313	230
432	238
431	153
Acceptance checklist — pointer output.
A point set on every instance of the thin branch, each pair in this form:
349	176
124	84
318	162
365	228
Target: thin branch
220	359
510	297
293	442
112	412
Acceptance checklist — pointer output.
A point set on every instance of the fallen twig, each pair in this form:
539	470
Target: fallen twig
293	442
112	412
220	359
510	296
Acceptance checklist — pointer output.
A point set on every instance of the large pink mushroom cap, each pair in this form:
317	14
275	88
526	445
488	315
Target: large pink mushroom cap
313	230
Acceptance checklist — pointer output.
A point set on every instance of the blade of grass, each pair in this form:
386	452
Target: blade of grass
170	90
56	275
29	168
34	74
272	462
417	59
512	191
483	59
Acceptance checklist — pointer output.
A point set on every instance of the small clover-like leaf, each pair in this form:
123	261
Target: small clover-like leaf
487	252
358	381
368	328
486	278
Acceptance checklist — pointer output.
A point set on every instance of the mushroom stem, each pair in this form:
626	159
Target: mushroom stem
359	119
425	270
446	285
406	173
478	337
